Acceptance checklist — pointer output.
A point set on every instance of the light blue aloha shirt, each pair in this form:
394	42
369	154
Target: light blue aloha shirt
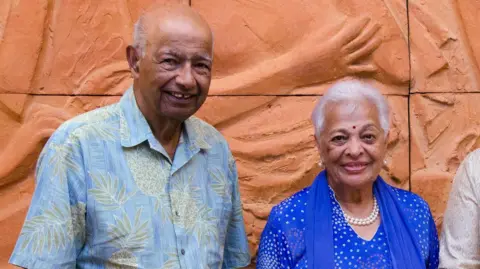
108	196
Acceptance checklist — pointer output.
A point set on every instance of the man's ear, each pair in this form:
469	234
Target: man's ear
133	61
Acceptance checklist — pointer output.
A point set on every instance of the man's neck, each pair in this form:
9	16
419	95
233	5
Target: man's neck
167	132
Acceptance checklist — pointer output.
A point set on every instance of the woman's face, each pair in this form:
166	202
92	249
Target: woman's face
352	144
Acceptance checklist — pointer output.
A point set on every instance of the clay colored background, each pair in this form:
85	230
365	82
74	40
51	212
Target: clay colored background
273	60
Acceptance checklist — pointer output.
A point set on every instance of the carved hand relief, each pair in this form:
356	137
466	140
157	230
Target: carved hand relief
26	123
445	128
296	47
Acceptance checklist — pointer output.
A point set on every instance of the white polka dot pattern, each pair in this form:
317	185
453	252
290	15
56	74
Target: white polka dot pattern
283	246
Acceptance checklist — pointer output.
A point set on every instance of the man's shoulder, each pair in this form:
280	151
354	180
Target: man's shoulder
94	122
209	133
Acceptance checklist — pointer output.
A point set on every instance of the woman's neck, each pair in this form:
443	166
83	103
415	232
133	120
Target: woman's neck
357	202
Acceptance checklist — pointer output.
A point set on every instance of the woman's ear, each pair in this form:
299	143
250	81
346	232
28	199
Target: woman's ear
387	138
319	148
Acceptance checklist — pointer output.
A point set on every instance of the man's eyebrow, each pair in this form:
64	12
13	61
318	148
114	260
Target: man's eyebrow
200	56
169	51
204	57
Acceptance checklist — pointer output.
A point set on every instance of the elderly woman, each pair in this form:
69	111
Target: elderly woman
349	217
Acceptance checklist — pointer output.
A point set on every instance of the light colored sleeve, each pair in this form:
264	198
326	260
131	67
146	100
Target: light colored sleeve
460	239
54	230
237	253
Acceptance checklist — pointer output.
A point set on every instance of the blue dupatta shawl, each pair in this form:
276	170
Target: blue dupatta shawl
404	249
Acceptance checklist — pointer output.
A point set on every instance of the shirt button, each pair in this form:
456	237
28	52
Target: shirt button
182	251
176	213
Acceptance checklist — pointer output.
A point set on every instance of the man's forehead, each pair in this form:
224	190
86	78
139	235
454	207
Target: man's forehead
172	31
184	51
181	20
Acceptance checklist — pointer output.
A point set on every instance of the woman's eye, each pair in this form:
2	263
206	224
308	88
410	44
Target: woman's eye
339	138
369	137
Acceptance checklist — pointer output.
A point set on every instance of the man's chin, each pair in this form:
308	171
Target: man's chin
180	116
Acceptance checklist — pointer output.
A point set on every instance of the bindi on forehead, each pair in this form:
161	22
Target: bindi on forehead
354	127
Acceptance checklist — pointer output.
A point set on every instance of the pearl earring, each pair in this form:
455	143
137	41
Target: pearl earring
385	162
320	164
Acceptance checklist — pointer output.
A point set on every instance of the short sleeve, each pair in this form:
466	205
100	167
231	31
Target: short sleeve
460	239
273	249
54	230
237	252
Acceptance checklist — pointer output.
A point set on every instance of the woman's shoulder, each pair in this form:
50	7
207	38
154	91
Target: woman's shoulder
291	211
411	201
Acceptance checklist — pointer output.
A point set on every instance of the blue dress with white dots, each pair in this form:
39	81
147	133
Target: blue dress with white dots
283	240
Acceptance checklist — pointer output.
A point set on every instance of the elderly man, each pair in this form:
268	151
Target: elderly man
141	183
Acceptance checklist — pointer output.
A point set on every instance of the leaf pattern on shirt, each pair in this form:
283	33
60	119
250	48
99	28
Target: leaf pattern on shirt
196	218
172	260
62	160
220	183
122	259
96	125
109	191
150	172
201	131
97	116
127	235
54	228
98	131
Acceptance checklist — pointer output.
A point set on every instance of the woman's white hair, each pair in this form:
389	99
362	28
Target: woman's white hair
351	91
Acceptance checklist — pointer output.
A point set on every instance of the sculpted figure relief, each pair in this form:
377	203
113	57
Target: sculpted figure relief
266	53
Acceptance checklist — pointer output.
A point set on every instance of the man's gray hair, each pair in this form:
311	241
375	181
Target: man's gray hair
351	91
140	36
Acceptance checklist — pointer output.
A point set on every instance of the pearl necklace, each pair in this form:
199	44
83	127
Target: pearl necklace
358	221
365	221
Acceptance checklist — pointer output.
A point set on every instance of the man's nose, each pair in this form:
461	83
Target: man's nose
185	77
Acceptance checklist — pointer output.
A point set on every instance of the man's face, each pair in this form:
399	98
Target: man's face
174	75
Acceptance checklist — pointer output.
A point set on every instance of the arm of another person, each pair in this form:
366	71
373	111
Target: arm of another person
316	58
273	249
54	230
237	254
460	240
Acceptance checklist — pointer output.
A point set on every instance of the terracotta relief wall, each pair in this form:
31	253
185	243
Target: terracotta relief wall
273	60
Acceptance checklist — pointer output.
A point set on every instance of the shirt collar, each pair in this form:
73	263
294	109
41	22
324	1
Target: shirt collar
134	128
